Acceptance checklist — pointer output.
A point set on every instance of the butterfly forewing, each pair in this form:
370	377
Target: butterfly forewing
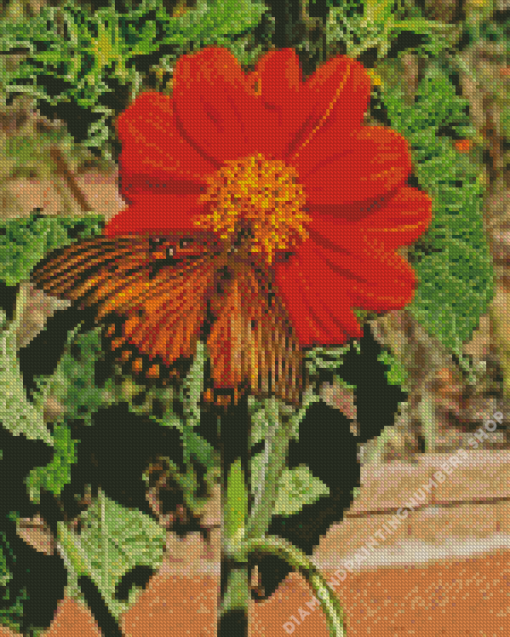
156	288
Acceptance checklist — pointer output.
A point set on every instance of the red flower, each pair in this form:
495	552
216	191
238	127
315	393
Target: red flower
291	161
260	213
463	145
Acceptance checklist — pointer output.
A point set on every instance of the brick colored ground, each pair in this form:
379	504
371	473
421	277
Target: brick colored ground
454	599
456	596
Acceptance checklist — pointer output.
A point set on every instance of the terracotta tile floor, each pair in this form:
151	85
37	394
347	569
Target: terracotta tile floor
468	597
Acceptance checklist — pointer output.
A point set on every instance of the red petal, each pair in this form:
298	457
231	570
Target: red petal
382	281
393	290
308	330
136	186
373	162
152	142
401	220
216	105
157	214
278	82
317	299
375	278
336	96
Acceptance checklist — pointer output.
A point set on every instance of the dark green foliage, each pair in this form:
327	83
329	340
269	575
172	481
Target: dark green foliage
24	242
451	259
86	68
24	570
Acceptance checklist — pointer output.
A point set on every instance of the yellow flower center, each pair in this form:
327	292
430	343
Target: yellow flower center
262	194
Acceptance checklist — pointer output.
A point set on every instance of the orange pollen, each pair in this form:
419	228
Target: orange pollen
264	193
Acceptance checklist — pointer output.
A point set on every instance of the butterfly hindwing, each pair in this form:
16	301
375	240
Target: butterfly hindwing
252	341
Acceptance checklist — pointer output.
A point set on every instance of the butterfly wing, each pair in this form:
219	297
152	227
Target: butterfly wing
149	293
252	341
156	296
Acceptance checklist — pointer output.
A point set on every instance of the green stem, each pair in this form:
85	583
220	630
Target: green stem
237	524
273	545
71	551
277	444
234	582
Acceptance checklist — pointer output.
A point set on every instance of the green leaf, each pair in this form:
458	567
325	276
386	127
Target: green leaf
193	386
11	613
259	425
296	487
72	383
116	539
197	445
5	573
325	358
17	414
90	55
396	373
56	474
452	294
24	242
452	259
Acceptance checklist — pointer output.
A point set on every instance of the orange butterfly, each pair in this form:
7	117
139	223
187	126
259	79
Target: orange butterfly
156	296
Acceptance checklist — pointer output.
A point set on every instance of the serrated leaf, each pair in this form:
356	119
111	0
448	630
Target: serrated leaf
125	538
193	386
72	383
56	474
452	264
24	242
17	414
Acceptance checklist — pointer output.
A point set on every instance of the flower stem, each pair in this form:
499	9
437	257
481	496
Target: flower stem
273	545
75	560
238	522
234	584
277	444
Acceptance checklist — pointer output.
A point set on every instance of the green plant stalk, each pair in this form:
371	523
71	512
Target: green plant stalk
255	539
237	521
104	540
71	551
277	444
236	598
273	545
428	419
234	592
